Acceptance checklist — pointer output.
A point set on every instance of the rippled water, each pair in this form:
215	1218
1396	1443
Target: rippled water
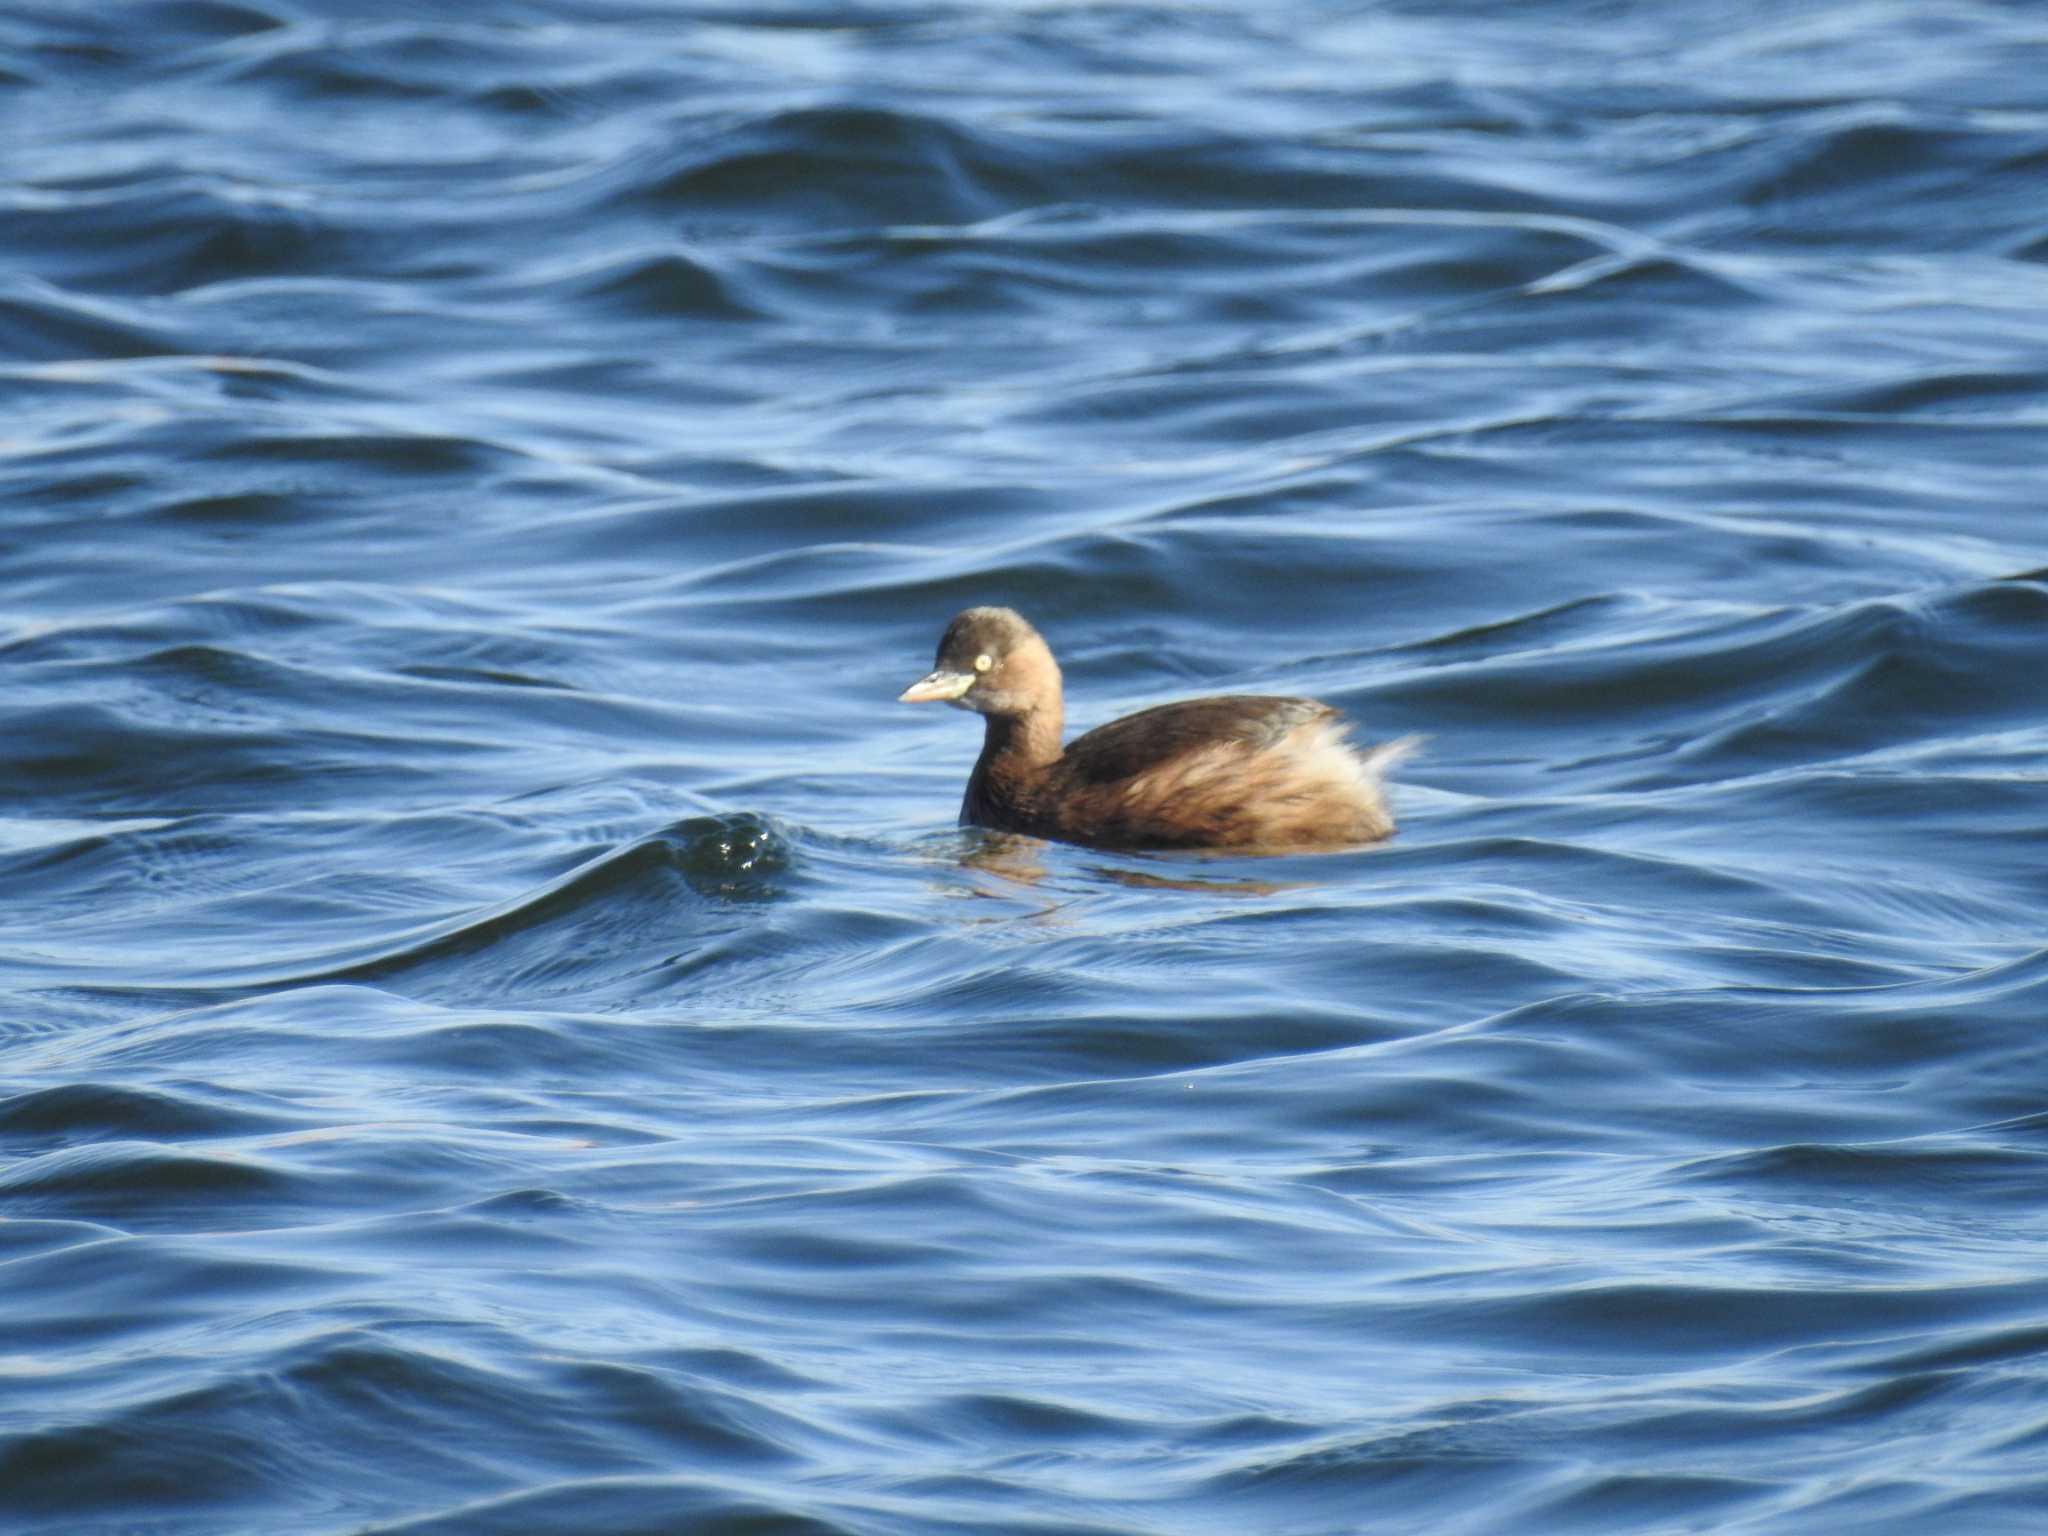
502	1032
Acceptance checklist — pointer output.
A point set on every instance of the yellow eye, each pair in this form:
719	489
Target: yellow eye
983	662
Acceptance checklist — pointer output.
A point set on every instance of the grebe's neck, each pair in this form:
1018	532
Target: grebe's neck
1029	740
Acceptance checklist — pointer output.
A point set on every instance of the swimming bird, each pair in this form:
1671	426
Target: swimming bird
1240	771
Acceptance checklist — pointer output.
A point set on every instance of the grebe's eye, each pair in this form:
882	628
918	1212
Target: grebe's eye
983	662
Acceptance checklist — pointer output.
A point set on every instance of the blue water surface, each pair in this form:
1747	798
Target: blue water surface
502	1033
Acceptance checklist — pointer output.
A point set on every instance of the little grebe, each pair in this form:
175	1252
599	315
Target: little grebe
1240	771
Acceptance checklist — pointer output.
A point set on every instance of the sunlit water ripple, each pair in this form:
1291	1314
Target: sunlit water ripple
504	1035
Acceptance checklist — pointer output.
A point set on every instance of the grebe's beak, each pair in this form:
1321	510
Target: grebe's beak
941	687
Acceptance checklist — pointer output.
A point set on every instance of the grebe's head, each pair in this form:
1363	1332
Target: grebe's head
992	662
